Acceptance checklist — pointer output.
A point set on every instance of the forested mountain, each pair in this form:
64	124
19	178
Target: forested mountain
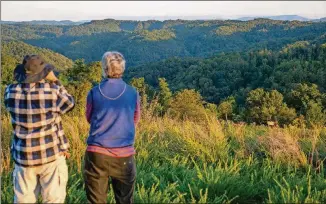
280	17
12	53
283	18
195	78
150	41
253	71
237	73
36	22
320	20
18	50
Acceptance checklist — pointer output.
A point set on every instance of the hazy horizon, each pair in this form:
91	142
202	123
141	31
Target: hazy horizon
159	18
150	10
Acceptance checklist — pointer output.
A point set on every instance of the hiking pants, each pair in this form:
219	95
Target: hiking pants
49	179
97	171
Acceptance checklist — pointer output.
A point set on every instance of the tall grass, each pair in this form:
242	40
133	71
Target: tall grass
183	161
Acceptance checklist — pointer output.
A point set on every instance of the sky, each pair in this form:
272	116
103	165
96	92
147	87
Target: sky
96	10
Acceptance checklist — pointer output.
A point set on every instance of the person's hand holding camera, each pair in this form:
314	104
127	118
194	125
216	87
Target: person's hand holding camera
51	77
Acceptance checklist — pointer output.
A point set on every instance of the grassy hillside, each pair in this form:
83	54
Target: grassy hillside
18	50
210	160
213	162
149	41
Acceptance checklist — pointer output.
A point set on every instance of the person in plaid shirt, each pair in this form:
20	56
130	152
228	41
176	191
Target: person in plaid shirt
39	146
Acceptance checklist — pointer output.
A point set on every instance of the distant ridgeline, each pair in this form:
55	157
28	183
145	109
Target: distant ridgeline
149	41
17	50
238	65
12	53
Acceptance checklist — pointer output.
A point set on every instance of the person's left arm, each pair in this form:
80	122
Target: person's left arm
137	110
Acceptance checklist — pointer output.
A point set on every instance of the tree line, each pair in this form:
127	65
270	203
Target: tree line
285	86
150	41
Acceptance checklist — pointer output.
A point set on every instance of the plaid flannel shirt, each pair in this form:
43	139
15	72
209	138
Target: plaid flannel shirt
35	111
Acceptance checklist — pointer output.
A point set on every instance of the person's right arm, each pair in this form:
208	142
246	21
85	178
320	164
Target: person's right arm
65	102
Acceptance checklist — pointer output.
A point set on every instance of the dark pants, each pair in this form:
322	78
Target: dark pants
97	171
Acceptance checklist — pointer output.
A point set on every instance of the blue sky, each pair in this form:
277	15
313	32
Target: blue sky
91	10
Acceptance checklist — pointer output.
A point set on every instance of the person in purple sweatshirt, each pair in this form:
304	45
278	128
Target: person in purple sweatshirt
113	110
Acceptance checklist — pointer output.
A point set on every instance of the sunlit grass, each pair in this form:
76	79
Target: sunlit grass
211	162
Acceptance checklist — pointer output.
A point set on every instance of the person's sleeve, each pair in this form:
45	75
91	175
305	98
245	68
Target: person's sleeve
65	101
6	98
89	106
137	111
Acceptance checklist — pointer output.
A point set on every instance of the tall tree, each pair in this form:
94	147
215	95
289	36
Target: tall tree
226	107
302	95
142	88
164	95
188	104
264	106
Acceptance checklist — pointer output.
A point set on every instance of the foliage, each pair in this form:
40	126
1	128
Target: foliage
8	64
302	95
150	41
95	26
226	107
226	74
264	106
18	50
142	88
296	45
79	80
79	91
187	104
187	155
315	114
164	95
216	79
81	72
157	35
